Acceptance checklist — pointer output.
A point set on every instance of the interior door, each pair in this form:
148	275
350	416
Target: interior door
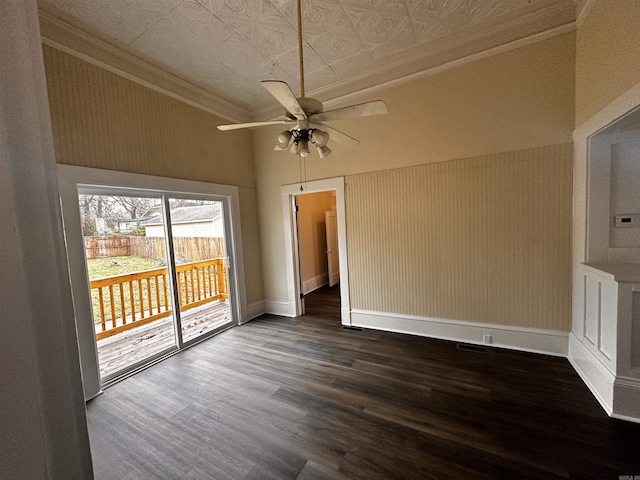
333	263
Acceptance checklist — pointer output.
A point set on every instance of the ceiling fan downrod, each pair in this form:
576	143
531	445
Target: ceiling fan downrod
300	55
306	117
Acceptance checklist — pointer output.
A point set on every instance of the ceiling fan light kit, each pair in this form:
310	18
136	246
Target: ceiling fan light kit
324	151
297	141
306	115
319	138
284	138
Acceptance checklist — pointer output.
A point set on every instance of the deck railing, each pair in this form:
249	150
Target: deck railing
127	301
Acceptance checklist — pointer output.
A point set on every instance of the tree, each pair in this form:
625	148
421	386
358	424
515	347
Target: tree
138	231
101	213
87	214
136	207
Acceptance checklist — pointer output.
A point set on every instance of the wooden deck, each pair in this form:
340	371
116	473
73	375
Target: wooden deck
125	348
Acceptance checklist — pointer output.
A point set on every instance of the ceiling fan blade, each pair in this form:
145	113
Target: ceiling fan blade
376	107
281	92
237	126
336	135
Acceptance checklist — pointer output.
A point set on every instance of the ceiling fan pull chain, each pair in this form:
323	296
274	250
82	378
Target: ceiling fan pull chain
300	171
304	161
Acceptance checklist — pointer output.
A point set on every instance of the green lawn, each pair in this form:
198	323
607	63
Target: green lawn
108	267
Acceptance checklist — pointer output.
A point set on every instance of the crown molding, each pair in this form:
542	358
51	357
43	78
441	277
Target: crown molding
59	34
583	8
452	64
446	53
490	38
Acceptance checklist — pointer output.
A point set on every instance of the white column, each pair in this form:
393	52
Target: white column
43	428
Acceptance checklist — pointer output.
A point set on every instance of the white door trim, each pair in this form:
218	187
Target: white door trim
294	303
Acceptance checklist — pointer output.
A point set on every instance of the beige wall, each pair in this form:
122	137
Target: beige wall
607	55
518	100
514	101
484	239
312	237
103	120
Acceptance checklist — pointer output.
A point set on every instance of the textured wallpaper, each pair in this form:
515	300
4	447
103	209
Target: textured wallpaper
484	239
103	120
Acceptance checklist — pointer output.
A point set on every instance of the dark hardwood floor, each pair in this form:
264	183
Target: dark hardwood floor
323	302
282	398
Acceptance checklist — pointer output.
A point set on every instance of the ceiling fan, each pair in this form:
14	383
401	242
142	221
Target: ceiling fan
305	116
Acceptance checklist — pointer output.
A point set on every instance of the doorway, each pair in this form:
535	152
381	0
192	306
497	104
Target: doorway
317	233
317	240
172	272
308	269
157	276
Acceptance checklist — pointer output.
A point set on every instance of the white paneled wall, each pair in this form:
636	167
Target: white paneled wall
604	345
598	318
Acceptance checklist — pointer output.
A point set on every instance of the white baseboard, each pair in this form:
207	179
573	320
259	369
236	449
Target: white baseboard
255	309
626	399
625	418
549	342
598	378
619	396
278	307
315	283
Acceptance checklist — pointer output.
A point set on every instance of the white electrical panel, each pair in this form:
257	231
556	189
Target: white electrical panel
622	221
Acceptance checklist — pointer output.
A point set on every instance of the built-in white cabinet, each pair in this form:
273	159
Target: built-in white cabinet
605	339
604	344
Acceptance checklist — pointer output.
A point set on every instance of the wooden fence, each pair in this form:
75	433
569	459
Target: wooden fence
127	301
100	247
189	249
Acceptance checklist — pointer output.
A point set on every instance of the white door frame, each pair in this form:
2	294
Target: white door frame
294	302
69	178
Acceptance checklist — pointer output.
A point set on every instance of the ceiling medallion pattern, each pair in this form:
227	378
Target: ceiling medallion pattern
225	46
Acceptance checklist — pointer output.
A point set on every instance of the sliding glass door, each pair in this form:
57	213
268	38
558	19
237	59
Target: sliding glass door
157	271
198	239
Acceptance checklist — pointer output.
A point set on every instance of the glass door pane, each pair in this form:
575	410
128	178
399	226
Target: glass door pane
124	239
197	227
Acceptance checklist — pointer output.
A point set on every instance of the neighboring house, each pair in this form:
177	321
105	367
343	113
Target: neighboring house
196	221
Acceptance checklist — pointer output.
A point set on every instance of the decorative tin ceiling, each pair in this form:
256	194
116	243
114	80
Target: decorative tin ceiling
228	46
